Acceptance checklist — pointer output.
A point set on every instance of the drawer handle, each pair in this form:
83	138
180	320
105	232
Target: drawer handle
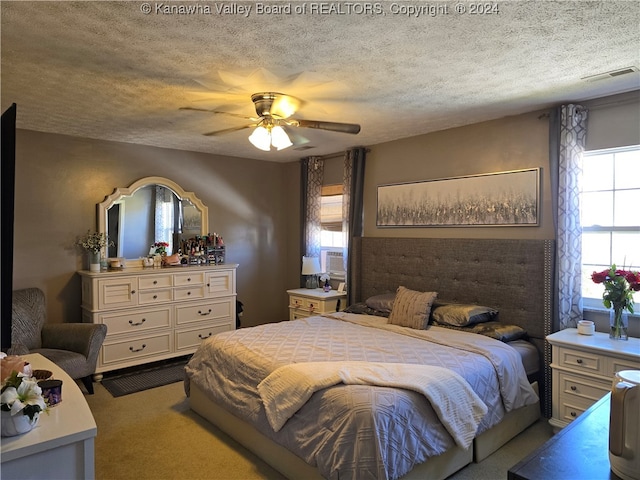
579	361
155	282
205	313
136	324
573	388
155	296
573	414
133	292
189	279
133	350
202	338
188	293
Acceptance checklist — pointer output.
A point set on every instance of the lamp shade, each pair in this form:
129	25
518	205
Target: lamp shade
311	266
279	138
260	138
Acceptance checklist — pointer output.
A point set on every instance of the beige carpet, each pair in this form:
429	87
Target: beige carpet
154	435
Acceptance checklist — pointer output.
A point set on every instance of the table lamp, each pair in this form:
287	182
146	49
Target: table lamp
311	268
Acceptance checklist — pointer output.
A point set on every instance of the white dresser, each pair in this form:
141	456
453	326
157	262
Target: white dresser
61	446
157	313
305	302
583	367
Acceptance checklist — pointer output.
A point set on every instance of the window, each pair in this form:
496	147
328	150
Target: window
331	217
331	238
610	195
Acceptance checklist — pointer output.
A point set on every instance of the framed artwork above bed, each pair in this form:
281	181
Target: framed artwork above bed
493	199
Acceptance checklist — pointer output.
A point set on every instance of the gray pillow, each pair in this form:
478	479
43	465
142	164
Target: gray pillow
493	329
361	308
412	308
460	315
383	303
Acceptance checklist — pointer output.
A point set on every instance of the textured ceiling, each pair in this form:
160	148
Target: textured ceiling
109	70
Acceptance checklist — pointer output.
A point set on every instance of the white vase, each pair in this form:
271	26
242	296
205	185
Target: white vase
94	261
17	424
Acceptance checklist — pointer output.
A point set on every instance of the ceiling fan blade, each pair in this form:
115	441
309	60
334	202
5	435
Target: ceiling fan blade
219	112
229	130
352	128
297	139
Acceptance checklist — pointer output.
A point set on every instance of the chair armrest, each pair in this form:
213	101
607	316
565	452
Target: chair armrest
83	338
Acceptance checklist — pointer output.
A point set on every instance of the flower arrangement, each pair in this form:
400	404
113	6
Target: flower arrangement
22	395
161	247
94	242
619	286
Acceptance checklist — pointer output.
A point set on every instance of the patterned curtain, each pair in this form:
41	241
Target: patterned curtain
352	208
164	216
568	129
312	173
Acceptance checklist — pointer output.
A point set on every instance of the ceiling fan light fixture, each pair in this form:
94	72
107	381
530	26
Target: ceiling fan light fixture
279	138
261	139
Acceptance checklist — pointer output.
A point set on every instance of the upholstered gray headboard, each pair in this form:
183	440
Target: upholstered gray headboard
514	276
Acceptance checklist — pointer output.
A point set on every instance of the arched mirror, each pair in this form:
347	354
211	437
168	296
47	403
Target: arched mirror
150	210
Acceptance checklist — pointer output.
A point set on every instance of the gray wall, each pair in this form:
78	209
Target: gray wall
60	179
510	143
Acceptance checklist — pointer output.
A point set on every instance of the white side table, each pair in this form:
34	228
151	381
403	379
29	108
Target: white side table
62	443
305	302
583	367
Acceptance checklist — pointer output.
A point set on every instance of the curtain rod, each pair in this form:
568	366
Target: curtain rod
332	155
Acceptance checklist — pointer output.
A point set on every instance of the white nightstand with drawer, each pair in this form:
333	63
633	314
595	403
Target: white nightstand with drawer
305	302
583	367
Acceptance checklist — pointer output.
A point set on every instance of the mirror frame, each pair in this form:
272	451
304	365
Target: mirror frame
119	192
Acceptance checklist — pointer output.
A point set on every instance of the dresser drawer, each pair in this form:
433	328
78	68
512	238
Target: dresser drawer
189	293
571	407
222	309
305	303
125	350
578	361
296	302
220	283
194	278
154	281
296	313
149	297
136	321
581	387
191	339
615	365
117	292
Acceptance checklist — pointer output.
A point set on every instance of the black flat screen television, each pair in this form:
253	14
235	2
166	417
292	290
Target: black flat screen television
7	197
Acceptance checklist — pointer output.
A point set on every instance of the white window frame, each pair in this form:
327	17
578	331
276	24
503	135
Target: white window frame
337	243
595	303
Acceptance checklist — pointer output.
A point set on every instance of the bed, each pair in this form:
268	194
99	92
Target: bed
353	419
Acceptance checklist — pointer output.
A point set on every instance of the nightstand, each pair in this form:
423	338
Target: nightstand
305	302
583	367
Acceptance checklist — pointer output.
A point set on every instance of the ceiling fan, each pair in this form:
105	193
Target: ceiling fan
274	122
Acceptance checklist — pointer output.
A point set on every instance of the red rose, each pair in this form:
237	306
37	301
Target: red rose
600	277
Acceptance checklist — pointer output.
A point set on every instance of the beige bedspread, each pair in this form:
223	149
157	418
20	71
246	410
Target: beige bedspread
357	431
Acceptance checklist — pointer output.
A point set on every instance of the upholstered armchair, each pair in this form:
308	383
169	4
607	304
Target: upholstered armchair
74	347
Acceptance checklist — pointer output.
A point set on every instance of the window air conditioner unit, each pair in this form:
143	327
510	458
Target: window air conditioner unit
335	265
